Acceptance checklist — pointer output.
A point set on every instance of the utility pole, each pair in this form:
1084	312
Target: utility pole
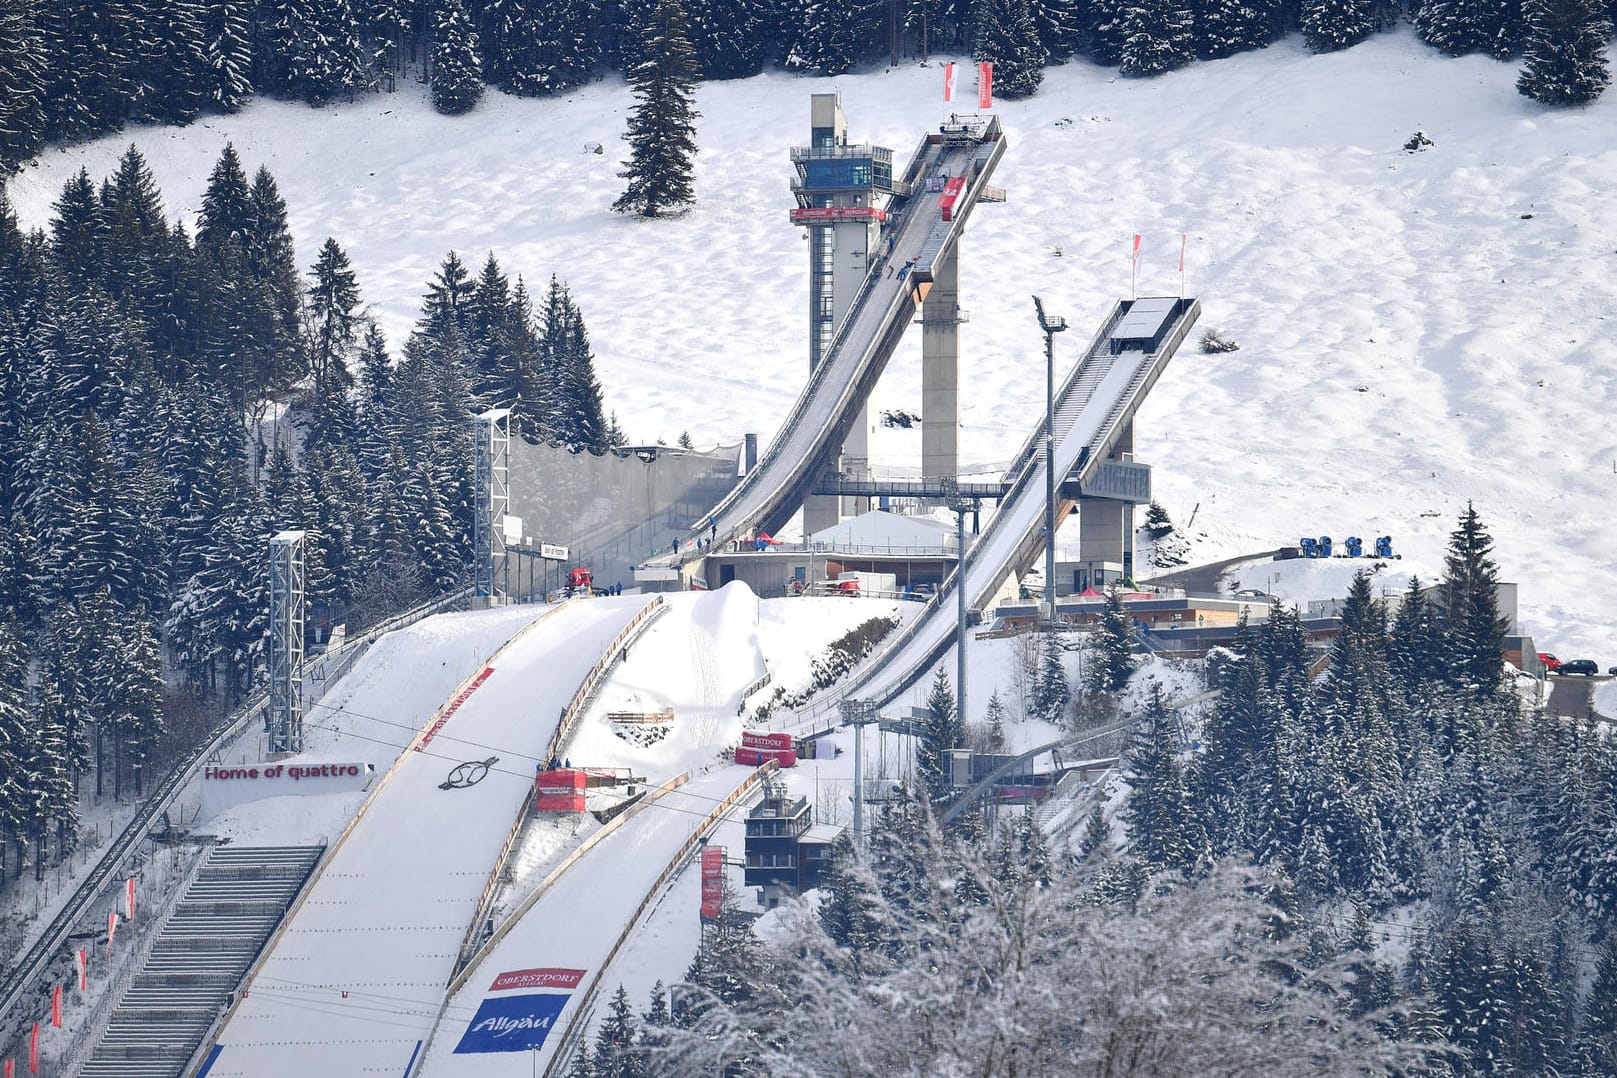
858	714
1051	326
961	506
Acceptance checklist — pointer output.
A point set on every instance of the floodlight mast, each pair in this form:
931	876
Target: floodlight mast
1051	325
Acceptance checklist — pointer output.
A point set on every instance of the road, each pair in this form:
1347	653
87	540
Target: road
1203	579
1572	694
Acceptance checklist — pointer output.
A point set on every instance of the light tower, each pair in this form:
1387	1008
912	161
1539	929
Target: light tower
286	615
491	466
836	184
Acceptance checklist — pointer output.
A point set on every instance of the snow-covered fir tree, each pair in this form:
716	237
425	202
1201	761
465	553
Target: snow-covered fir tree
1223	28
457	80
730	38
1008	38
1157	37
662	124
1333	25
831	38
942	733
1565	60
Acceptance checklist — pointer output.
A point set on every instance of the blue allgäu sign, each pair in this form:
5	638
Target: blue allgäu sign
512	1023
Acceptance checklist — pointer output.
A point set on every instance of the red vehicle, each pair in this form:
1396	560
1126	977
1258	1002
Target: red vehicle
580	581
1549	662
952	190
848	587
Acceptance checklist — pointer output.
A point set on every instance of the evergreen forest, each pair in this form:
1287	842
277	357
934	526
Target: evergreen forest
75	69
169	399
1391	865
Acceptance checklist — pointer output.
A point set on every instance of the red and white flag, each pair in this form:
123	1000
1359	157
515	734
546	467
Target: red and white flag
129	898
56	1006
83	961
112	929
1136	250
1183	238
948	82
985	85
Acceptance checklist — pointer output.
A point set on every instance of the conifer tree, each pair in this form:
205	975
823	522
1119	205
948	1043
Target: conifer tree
1114	658
1163	829
1051	692
831	37
662	124
228	54
169	60
728	37
728	966
1008	38
1225	27
1157	37
335	323
22	84
1415	649
536	49
1104	26
1333	25
1473	630
1565	58
1058	24
995	717
615	1055
941	734
457	80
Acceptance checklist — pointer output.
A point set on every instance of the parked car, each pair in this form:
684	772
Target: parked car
1586	667
1549	662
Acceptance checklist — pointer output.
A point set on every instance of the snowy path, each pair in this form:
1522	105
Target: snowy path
354	983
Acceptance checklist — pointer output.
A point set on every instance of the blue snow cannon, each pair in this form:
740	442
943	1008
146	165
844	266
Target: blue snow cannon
1309	548
1384	546
1324	546
1354	546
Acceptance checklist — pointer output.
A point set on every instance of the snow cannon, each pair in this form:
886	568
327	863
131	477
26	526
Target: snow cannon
1308	546
1353	546
1324	546
1383	546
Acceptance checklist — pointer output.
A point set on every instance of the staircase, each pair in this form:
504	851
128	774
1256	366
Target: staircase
198	959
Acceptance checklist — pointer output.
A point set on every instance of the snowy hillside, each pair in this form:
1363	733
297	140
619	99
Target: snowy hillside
1416	330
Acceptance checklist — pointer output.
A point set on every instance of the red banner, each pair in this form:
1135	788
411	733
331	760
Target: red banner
948	82
712	880
112	930
129	898
1183	239
985	85
83	961
11	1069
56	1006
537	978
837	213
33	1050
757	739
452	707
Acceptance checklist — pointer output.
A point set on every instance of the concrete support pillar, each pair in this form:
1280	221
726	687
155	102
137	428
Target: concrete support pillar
940	370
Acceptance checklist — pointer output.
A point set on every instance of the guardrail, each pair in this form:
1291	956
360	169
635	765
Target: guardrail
370	799
557	744
109	868
756	687
558	1059
586	688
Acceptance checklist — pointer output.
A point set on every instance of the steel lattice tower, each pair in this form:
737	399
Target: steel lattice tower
287	609
491	465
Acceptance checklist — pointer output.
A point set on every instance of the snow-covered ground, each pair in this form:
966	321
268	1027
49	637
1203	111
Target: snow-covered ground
1416	330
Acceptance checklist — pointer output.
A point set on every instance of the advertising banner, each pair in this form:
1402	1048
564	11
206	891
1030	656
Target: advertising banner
985	85
225	787
712	880
518	1021
948	82
758	739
